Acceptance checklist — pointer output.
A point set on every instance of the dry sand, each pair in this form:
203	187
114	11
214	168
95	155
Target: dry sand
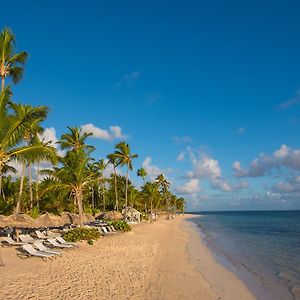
155	261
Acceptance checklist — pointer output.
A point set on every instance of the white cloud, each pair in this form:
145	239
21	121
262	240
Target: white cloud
129	79
291	186
181	156
190	187
152	170
114	132
290	102
284	157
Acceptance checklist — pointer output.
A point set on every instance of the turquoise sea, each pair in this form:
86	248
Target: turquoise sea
261	247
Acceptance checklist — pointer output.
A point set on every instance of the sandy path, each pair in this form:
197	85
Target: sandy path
151	262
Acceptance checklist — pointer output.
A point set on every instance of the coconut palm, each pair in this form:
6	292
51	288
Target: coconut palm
75	140
13	127
37	115
123	154
164	185
114	161
142	173
73	177
150	191
11	63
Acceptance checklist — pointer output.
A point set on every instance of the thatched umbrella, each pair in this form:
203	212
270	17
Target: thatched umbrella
49	220
113	215
17	221
74	218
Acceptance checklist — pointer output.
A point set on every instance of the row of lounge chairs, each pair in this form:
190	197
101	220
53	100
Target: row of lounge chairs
39	246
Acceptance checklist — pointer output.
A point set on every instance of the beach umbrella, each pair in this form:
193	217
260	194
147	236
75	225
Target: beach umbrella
49	220
17	221
113	215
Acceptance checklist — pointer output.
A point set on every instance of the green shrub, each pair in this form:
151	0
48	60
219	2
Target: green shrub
79	234
34	213
120	225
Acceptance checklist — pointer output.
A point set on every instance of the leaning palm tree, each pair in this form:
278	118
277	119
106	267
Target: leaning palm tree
123	154
113	160
11	63
14	122
33	128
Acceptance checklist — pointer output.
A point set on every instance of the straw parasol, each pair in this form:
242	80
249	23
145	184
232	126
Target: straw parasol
49	220
17	221
111	215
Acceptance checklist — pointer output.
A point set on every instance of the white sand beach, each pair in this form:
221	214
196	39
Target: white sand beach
163	260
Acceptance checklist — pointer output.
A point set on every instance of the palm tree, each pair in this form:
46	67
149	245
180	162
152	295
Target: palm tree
75	140
37	115
142	173
11	63
13	126
125	157
150	190
73	177
164	184
112	159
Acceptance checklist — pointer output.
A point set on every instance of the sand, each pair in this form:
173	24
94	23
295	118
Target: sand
164	260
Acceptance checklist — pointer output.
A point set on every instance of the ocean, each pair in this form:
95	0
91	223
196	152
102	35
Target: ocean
261	247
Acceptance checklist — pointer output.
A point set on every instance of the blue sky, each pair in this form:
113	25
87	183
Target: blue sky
199	88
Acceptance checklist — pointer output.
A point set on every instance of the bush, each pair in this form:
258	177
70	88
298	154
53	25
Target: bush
34	213
120	225
79	234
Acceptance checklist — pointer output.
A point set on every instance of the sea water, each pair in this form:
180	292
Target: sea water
261	247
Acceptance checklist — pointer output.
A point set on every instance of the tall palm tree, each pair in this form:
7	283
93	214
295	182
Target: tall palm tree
14	121
75	140
37	115
164	184
73	176
150	190
123	154
142	173
11	63
114	161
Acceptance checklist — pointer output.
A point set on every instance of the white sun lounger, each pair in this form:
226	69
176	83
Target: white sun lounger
41	235
105	231
9	241
30	251
64	242
40	246
26	238
54	243
112	228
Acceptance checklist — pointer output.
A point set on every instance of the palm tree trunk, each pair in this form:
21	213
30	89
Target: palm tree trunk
103	196
78	195
126	188
37	185
1	185
17	211
116	190
93	198
30	186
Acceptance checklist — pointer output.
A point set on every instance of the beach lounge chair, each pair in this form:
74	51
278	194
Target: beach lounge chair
64	242
26	238
30	251
52	234
41	235
40	246
105	230
54	243
10	242
112	228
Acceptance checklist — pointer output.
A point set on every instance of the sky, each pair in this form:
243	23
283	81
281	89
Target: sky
206	92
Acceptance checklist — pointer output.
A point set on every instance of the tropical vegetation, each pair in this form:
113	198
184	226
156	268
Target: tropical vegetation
36	178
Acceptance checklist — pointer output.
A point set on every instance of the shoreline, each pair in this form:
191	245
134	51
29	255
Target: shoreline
161	260
224	281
